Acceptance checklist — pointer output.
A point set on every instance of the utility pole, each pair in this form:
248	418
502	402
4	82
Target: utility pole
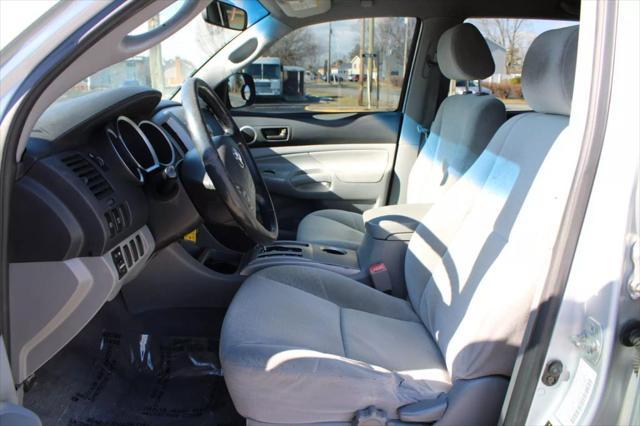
361	70
370	61
156	73
329	70
377	59
406	46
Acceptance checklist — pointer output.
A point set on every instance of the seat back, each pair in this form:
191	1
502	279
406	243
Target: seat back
464	124
475	262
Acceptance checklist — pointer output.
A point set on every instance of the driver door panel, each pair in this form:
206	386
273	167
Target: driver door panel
336	161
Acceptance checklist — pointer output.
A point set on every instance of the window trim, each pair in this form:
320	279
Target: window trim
410	65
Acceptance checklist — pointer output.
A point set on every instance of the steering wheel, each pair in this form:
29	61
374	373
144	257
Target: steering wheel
228	163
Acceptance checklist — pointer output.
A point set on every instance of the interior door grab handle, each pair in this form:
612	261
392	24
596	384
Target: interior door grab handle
276	134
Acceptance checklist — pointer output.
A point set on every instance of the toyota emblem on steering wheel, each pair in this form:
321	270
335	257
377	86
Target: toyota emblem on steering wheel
238	157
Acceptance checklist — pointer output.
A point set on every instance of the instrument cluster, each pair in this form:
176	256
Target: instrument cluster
142	147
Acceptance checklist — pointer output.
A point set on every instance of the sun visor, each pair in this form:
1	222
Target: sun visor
304	8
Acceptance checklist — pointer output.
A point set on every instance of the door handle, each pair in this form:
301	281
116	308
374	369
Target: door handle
276	134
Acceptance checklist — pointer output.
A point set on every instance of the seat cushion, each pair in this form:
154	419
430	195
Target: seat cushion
333	227
301	344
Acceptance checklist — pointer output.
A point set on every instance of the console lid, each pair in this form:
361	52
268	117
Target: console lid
397	222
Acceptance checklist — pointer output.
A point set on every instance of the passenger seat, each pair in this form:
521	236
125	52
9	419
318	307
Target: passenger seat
461	130
302	345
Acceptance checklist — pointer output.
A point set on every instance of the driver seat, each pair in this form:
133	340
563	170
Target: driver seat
461	129
304	345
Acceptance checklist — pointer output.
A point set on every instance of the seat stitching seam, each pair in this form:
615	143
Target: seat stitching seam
327	299
324	290
300	290
340	328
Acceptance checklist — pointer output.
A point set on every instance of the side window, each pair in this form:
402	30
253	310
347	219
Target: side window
508	40
342	66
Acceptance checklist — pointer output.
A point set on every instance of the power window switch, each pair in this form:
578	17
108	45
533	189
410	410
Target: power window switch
111	224
119	262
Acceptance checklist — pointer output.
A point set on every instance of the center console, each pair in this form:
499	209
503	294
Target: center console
337	259
206	275
379	261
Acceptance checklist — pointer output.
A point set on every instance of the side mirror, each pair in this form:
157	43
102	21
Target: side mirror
225	15
241	90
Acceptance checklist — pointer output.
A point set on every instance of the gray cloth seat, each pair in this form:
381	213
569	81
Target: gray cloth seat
460	131
333	227
303	345
340	332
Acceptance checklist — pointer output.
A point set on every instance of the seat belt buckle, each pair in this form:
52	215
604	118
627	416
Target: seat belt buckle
380	277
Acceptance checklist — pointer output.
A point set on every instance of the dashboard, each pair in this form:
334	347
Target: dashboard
90	177
96	195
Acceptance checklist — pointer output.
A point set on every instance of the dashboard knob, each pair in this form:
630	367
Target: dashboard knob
169	182
169	172
249	134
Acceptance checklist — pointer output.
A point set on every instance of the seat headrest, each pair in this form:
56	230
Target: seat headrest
463	54
549	69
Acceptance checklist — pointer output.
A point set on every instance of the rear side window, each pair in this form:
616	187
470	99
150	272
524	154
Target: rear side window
341	66
509	41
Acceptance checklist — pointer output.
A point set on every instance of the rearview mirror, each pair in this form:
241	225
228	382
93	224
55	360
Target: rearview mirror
241	90
225	15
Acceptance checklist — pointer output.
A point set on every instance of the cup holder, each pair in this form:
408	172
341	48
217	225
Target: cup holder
281	249
334	251
220	262
225	268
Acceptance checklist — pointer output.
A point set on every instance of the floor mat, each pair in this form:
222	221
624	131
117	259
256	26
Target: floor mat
111	378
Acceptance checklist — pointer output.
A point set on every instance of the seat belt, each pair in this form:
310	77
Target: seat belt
434	96
424	135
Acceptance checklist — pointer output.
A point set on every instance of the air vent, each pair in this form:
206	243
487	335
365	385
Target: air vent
89	174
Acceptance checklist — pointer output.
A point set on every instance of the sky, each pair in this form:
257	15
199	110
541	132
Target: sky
532	28
345	36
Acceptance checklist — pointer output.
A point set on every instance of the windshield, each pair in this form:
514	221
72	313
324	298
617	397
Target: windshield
270	72
255	70
167	65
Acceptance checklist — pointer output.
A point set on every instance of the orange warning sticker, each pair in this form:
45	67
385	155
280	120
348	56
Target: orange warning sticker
192	236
